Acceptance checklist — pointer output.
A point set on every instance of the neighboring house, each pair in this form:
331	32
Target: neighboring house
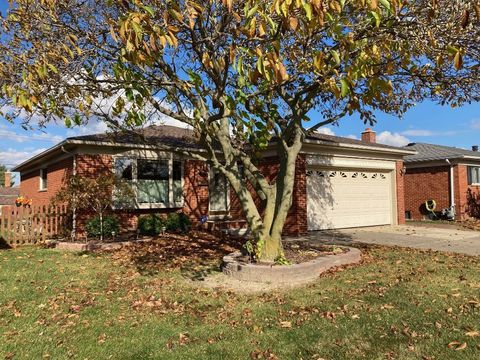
448	175
8	194
339	182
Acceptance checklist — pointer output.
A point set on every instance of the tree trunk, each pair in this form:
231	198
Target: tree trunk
101	226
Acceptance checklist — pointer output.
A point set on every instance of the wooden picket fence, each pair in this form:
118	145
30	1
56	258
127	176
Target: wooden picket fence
32	225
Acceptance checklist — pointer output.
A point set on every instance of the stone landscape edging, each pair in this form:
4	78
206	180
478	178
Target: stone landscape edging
285	274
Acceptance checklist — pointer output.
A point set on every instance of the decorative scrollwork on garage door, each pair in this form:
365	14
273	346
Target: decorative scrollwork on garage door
374	176
382	176
318	173
332	174
355	175
364	176
342	174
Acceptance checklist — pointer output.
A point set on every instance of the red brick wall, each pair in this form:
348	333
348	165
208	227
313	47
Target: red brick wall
400	193
422	184
465	195
296	222
57	173
195	189
89	165
461	187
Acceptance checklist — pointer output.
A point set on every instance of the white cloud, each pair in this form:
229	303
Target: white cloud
12	157
418	133
354	137
92	127
475	124
28	136
326	131
423	132
394	139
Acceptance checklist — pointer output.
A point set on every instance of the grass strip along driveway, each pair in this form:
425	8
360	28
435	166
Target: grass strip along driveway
136	304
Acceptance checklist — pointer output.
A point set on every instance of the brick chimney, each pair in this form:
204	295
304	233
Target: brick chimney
369	136
475	148
8	179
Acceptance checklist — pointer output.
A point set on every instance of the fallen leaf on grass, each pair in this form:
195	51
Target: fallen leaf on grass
388	307
267	355
456	345
182	338
472	333
286	324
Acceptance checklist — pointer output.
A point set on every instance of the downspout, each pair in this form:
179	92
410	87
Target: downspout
74	209
452	188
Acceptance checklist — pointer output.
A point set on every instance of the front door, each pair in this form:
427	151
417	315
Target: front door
218	191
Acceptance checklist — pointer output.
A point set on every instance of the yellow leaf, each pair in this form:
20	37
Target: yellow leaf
472	334
456	345
262	29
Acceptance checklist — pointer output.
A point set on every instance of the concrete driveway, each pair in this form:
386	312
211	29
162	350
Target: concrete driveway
440	238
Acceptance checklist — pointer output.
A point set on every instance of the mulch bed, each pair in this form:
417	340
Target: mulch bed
198	250
177	251
300	252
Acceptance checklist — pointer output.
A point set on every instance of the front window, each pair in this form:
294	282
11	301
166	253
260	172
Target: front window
473	175
157	182
43	179
152	181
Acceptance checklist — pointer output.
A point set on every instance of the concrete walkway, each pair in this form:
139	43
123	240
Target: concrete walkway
450	238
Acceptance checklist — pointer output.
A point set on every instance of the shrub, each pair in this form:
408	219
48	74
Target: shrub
178	222
151	224
110	224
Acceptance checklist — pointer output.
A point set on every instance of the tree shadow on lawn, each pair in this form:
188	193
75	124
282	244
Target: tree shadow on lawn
196	254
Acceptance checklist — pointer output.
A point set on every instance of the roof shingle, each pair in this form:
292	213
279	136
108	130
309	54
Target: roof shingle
430	152
166	135
8	195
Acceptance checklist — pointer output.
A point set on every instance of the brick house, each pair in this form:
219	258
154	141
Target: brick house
339	183
8	194
450	176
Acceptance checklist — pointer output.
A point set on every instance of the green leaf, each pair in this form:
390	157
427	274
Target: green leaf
261	66
129	95
336	56
252	11
386	4
149	10
53	68
68	122
345	90
77	119
452	50
308	10
376	18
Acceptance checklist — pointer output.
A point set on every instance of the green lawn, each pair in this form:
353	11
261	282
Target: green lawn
399	304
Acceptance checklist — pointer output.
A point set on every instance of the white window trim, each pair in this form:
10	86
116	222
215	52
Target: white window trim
41	185
477	169
168	205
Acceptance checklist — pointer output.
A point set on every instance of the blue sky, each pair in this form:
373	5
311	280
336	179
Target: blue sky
427	122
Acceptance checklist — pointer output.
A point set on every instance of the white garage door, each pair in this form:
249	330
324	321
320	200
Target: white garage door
339	199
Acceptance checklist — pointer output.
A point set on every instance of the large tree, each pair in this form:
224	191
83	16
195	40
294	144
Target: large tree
241	73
